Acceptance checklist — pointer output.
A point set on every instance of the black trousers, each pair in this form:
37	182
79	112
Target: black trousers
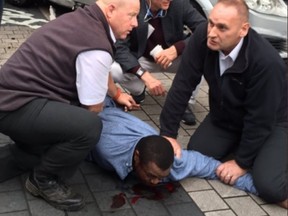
50	136
270	168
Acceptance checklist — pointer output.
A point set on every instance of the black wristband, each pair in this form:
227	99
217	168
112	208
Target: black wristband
139	73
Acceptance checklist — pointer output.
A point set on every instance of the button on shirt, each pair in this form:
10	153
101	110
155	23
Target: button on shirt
227	61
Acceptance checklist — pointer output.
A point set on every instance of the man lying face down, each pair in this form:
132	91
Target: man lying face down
128	144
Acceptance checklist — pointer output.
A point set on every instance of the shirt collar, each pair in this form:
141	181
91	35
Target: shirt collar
234	53
112	34
149	15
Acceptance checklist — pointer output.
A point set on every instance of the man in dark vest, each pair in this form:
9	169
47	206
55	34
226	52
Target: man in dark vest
52	89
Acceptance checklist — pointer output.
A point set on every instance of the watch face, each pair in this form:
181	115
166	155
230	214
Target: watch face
140	72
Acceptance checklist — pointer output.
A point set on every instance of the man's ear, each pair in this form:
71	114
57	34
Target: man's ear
136	157
244	30
109	10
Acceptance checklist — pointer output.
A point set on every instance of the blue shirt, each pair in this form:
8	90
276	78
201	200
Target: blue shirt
120	135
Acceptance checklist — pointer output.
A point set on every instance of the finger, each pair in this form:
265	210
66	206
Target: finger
233	180
227	178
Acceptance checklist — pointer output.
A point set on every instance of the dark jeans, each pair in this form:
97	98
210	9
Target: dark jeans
54	136
270	168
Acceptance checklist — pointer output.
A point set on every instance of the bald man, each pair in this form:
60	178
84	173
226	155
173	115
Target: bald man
52	89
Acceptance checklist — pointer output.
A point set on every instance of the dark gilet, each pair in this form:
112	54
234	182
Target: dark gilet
44	65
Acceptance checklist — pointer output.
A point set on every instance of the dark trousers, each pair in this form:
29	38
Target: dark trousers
52	136
270	168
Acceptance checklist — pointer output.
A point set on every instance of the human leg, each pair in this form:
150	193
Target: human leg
270	169
62	135
213	141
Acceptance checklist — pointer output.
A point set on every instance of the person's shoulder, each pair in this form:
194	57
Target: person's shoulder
260	47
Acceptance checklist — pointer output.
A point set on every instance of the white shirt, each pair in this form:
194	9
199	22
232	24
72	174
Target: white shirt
226	62
92	72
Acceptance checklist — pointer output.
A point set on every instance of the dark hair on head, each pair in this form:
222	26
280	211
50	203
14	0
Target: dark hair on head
155	149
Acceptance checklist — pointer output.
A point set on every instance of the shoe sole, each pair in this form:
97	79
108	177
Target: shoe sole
35	192
189	123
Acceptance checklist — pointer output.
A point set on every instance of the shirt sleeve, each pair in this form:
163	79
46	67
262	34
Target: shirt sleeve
195	164
92	68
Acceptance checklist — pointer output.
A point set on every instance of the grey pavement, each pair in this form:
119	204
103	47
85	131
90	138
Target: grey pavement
191	196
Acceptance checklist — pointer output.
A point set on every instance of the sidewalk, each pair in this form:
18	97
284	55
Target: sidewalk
192	196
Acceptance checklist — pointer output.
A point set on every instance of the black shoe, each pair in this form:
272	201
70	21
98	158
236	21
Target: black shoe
54	191
189	118
8	164
139	98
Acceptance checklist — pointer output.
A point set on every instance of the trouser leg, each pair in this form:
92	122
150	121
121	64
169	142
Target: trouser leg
213	141
59	133
270	169
135	85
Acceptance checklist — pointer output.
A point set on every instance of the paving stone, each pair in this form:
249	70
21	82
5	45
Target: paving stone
149	207
11	185
101	181
39	207
152	109
195	184
21	213
208	200
85	191
244	206
257	199
122	212
274	210
226	190
12	201
104	200
91	209
89	168
220	213
180	196
184	209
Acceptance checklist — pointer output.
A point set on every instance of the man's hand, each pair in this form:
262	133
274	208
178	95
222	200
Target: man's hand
128	102
229	172
166	57
153	85
176	146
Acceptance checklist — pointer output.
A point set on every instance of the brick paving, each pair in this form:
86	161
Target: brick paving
193	196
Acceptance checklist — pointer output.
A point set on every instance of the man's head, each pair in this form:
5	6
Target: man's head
153	158
156	5
228	23
121	15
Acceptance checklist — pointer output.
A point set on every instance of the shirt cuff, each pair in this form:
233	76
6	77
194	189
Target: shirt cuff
180	45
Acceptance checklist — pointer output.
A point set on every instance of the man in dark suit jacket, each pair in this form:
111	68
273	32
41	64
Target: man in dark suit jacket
160	22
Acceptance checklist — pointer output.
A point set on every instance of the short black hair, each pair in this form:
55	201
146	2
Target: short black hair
155	149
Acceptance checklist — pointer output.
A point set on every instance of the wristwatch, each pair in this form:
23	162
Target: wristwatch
139	73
